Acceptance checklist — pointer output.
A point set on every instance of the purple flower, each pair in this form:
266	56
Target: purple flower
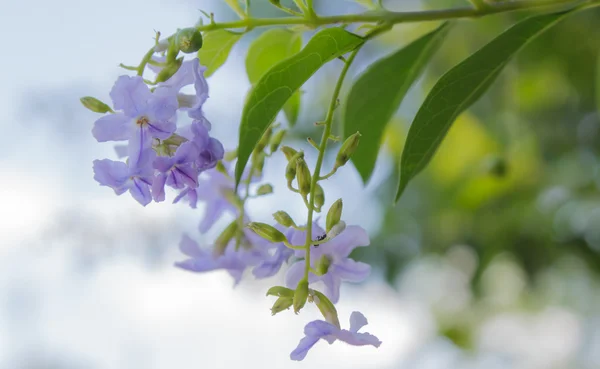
122	177
274	257
232	260
210	150
190	72
212	194
145	115
320	329
176	171
335	256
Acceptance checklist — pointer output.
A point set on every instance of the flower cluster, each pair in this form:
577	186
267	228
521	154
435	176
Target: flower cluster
168	143
159	151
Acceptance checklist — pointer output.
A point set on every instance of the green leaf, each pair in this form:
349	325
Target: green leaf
216	48
598	85
270	93
267	50
378	92
459	88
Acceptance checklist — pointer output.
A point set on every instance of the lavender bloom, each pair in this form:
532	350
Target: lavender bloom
233	261
122	177
275	255
190	72
145	115
177	171
320	329
335	254
210	150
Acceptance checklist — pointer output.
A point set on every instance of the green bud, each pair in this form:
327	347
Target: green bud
322	265
336	229
290	170
284	219
300	295
267	232
347	149
232	198
264	189
230	155
303	176
258	161
227	235
326	308
282	303
95	105
334	215
275	2
280	291
276	140
168	71
264	140
288	152
221	168
319	197
188	40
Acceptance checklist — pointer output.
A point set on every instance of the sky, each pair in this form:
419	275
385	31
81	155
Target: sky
87	278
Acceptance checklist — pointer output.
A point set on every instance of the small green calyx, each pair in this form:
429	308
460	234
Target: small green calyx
276	140
319	197
225	237
264	140
323	265
347	149
300	295
326	307
288	152
336	230
334	215
267	232
95	105
264	189
290	169
284	219
282	303
280	291
303	176
169	70
189	40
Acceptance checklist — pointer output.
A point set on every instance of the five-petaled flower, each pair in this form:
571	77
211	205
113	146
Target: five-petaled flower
320	329
332	258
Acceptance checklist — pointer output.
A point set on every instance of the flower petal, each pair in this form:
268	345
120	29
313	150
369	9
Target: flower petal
351	238
158	187
304	345
110	173
294	274
190	247
161	129
139	142
332	286
162	106
131	95
358	339
112	127
350	270
140	191
357	321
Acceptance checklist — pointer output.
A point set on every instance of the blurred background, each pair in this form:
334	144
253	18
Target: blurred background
490	260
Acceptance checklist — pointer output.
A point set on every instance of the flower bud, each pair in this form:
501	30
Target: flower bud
319	197
227	235
267	232
264	140
288	152
282	303
188	40
264	189
280	291
336	229
300	295
258	161
326	308
334	215
347	149
276	140
168	71
232	198
322	265
95	105
284	219
303	176
290	170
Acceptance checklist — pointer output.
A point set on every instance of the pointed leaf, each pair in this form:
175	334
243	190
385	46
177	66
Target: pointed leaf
267	50
236	7
598	85
215	50
271	92
378	92
459	88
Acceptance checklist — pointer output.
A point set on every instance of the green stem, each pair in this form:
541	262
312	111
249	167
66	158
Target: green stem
384	16
322	148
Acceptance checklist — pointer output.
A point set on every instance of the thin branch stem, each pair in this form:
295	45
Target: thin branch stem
324	139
